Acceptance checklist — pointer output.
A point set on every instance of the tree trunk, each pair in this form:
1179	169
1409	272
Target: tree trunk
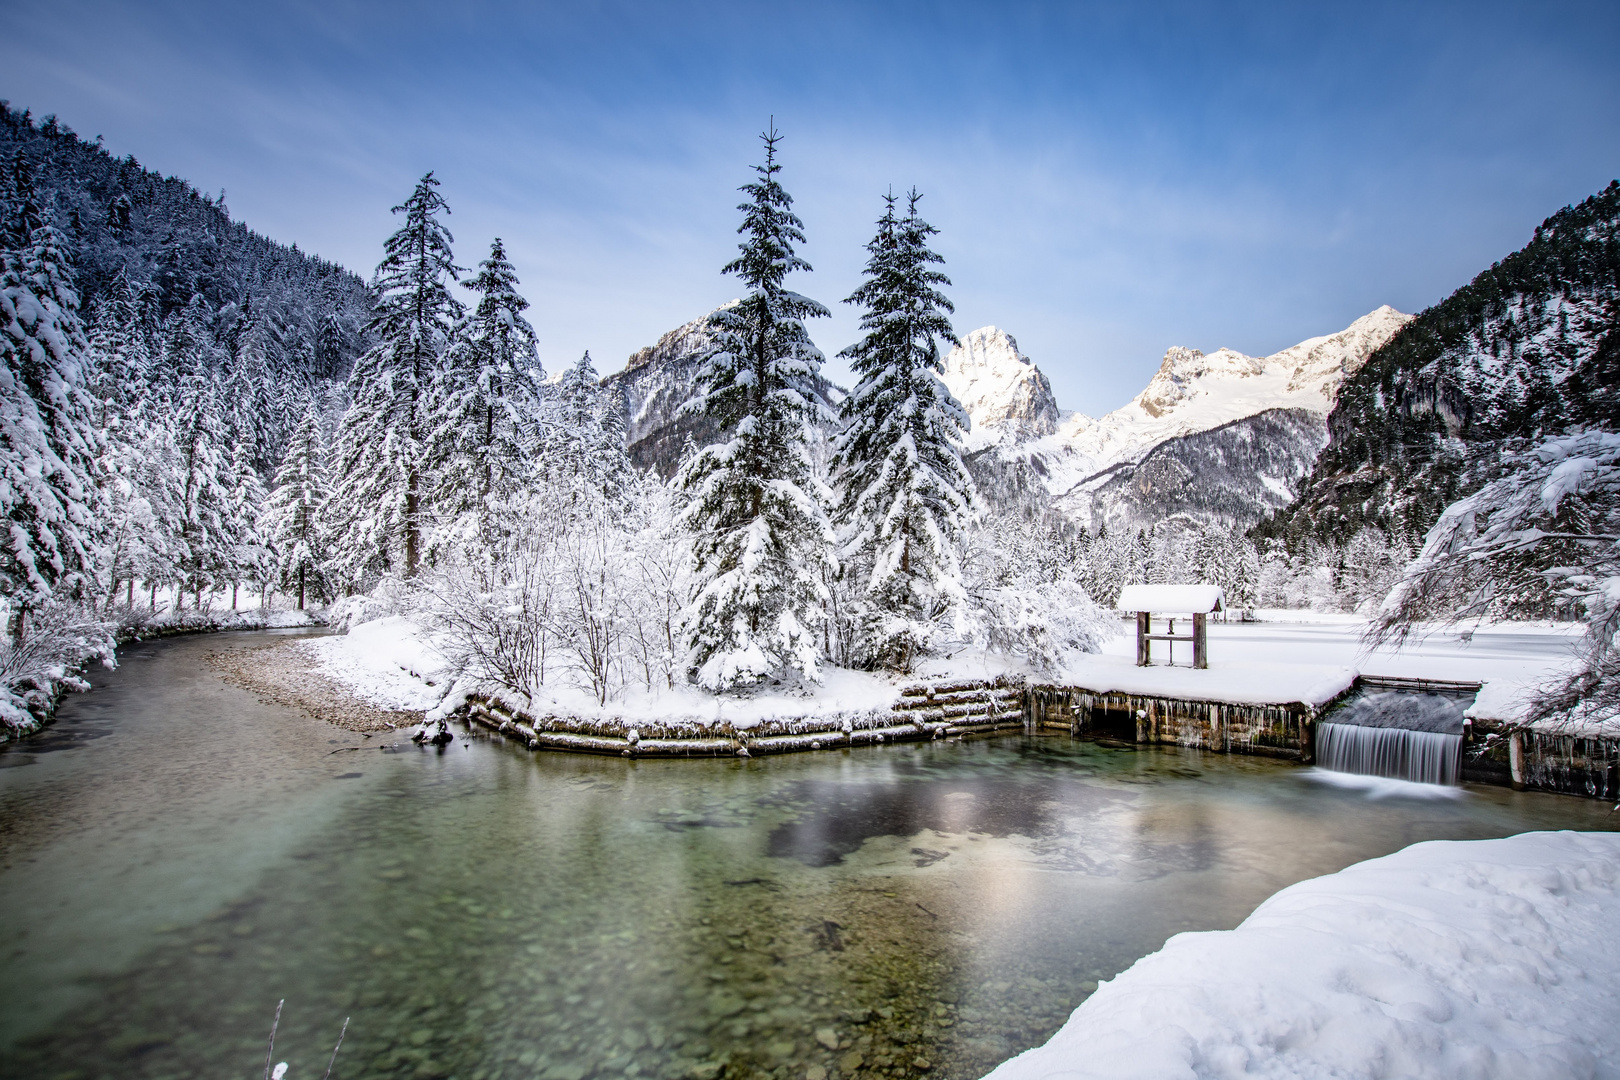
300	587
410	523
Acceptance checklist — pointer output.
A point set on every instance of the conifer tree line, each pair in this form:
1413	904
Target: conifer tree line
151	452
153	449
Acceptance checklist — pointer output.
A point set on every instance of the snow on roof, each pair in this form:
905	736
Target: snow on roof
1199	599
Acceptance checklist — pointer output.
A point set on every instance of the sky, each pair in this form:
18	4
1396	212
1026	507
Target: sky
1108	180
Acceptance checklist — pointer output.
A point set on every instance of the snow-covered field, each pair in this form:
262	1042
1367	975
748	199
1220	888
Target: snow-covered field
1450	959
1310	656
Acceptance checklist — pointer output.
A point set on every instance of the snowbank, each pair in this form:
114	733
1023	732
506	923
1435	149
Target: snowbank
390	662
1482	958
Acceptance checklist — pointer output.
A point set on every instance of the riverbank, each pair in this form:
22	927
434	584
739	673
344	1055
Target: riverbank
64	643
288	674
1266	685
1446	959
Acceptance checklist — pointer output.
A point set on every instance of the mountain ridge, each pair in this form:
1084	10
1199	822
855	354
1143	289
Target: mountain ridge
1106	470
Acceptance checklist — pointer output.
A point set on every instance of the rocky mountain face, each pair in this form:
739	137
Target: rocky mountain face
1006	396
657	381
1232	473
1220	437
1529	348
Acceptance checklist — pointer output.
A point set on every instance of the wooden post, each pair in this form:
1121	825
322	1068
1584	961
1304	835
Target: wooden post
1200	642
1144	647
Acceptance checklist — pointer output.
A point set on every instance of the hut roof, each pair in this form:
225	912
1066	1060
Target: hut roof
1175	599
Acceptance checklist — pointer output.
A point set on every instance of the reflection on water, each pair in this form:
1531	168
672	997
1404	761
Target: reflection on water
483	912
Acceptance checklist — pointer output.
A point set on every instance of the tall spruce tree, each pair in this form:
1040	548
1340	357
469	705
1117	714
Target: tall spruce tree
248	556
905	494
291	523
48	440
572	414
484	412
761	539
203	441
378	502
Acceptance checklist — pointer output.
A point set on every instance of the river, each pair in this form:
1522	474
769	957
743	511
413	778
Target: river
177	857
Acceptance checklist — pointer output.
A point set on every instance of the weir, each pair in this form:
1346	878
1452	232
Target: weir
1396	729
1427	757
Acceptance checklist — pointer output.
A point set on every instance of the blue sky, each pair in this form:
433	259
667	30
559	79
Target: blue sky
1109	180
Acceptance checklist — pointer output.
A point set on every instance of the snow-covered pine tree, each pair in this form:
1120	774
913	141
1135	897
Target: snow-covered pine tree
757	514
48	440
248	557
120	354
484	408
904	493
23	214
291	522
202	439
610	458
250	388
376	506
575	420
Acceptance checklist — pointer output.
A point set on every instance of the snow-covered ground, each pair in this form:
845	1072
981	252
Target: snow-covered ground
389	662
1286	657
393	663
1450	959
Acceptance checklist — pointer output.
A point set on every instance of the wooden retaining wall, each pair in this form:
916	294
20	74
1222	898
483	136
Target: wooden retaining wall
1273	730
1542	761
925	711
1536	760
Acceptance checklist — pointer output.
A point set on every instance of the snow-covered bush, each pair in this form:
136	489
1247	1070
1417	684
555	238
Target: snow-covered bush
390	596
61	640
1024	607
1045	622
577	594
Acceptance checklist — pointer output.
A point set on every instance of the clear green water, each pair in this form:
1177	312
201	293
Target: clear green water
175	857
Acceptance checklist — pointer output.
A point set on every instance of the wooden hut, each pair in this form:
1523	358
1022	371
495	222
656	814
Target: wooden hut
1173	601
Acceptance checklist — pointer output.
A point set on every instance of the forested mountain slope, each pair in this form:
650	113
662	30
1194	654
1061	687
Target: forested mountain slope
1530	347
284	323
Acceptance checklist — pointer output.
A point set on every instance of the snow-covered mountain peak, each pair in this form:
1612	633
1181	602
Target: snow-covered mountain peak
1328	361
1195	391
1225	402
1181	374
1006	396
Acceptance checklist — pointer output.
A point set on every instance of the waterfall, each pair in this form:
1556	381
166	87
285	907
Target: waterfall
1429	757
1397	733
